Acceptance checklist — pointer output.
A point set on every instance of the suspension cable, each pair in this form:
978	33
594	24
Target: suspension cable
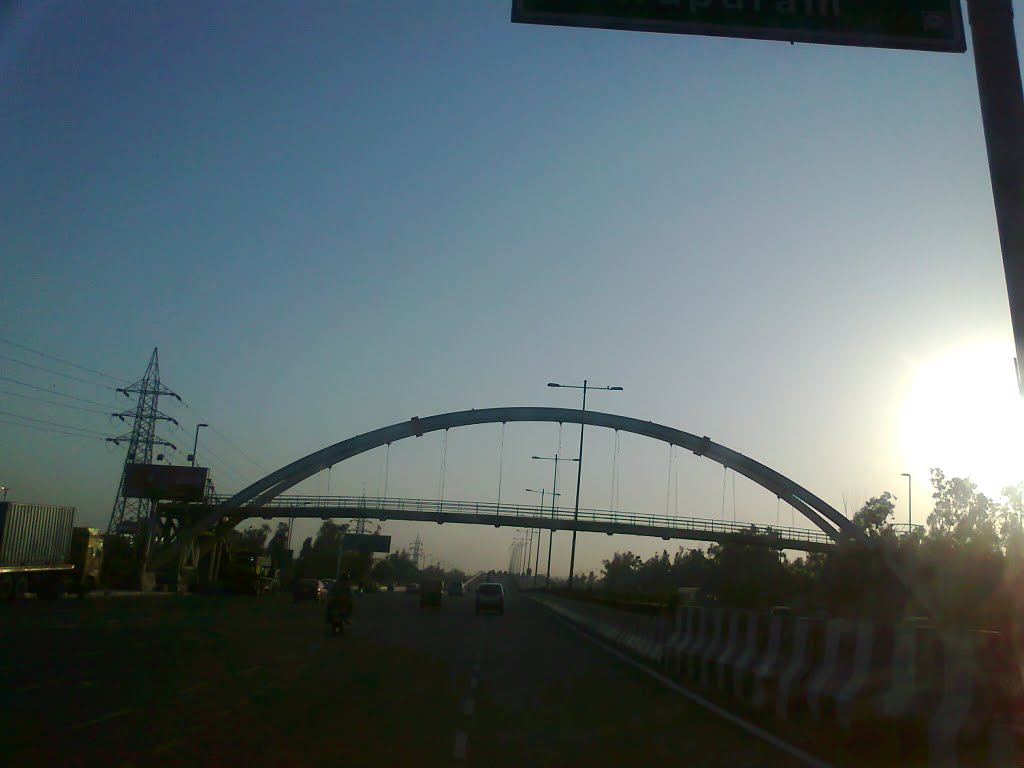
615	468
501	464
444	461
387	469
734	497
668	482
677	484
725	476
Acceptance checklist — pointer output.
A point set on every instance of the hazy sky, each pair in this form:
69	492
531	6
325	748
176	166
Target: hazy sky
333	216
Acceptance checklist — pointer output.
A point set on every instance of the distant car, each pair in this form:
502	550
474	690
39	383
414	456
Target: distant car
412	589
329	584
432	592
309	589
456	589
490	596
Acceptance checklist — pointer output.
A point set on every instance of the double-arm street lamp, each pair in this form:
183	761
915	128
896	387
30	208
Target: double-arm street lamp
579	469
554	485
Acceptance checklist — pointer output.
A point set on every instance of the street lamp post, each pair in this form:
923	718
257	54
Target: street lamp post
554	486
4	489
195	444
910	501
536	561
579	469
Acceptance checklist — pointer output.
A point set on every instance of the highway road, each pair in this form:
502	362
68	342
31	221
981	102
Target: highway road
169	680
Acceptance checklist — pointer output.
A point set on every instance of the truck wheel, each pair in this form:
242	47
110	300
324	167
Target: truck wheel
6	587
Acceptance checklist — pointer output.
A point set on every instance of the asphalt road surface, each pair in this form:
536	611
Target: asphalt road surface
168	680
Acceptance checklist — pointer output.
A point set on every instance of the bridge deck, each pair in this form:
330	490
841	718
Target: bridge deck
528	516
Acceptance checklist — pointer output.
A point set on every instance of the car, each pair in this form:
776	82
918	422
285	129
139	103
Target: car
432	592
412	588
456	589
309	589
490	596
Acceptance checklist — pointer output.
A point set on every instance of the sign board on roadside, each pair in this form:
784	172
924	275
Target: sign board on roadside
158	481
367	542
926	25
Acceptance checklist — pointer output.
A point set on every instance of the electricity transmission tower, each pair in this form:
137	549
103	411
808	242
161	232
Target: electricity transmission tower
417	552
129	513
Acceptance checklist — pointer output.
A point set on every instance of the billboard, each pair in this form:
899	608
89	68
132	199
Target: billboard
926	25
162	482
366	542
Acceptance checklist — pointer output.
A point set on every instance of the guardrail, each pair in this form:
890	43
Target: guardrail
362	504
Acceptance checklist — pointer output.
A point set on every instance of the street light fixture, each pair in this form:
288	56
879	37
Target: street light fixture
4	489
195	444
579	469
554	485
910	501
536	560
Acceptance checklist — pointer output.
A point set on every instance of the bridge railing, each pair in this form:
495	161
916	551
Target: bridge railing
337	506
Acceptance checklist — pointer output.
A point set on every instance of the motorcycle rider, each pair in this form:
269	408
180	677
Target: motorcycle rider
339	601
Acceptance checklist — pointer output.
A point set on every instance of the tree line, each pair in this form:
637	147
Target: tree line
968	560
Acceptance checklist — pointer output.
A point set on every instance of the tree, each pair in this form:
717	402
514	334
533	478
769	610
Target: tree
251	539
620	571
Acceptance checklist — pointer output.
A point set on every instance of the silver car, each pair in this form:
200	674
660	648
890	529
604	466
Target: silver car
490	596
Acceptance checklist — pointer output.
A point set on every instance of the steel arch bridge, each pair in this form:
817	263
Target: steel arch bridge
250	500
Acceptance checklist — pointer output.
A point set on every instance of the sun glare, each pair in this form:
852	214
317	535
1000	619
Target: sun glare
964	415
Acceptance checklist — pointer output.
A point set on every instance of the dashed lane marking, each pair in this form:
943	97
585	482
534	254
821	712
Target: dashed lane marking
27	688
219	714
89	654
469	706
476	668
460	745
250	670
474	682
102	718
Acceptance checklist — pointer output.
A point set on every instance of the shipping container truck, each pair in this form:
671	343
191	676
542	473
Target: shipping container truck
35	541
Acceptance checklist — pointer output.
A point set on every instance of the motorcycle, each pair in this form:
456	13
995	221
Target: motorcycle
337	619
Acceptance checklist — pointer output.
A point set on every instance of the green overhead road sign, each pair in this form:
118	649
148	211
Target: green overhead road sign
927	25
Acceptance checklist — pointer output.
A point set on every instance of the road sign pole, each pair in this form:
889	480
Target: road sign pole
1002	115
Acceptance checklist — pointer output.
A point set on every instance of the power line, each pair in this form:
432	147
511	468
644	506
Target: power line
47	429
54	392
238	448
56	373
51	402
62	360
53	423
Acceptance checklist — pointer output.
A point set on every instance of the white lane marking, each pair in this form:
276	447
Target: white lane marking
250	670
460	745
469	706
191	688
65	627
476	668
85	684
88	654
474	682
113	621
102	718
27	688
753	730
219	714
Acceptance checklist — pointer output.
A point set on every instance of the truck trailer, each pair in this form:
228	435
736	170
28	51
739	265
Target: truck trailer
35	541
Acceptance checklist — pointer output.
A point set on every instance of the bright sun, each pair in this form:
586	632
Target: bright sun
964	415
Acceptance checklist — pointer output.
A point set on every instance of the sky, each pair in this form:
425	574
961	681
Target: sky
333	216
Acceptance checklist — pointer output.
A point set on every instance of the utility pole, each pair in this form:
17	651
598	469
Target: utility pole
130	513
1002	116
579	468
554	486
